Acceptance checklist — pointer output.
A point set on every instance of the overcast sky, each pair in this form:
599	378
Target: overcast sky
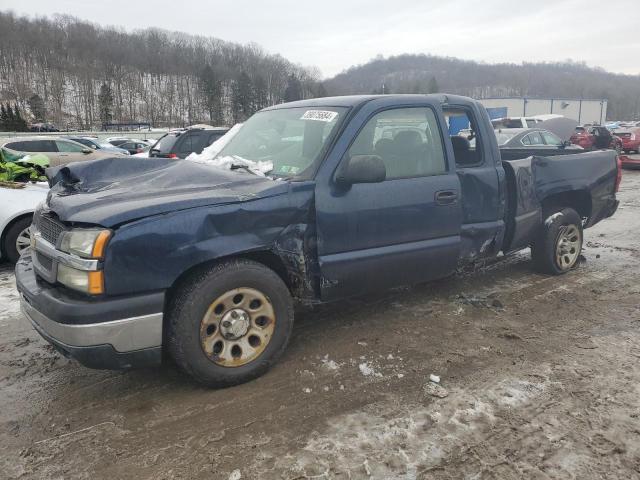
335	34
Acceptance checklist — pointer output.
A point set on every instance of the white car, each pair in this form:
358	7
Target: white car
515	122
16	209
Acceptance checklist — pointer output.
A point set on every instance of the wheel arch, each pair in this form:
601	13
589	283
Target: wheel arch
7	227
579	200
265	257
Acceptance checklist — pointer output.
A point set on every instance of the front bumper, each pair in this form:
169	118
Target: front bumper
100	333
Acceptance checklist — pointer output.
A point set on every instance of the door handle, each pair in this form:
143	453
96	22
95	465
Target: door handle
446	197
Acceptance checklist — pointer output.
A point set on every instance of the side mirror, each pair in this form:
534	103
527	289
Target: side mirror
566	143
87	150
362	169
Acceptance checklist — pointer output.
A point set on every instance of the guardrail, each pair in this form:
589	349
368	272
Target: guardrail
142	135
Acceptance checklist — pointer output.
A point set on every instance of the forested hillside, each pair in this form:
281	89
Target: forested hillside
426	74
79	75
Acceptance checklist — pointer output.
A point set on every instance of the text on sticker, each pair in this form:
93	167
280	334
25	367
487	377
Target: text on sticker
319	115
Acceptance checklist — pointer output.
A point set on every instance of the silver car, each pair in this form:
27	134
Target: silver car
59	150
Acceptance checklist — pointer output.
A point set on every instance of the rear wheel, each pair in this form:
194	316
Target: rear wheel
558	246
17	239
229	323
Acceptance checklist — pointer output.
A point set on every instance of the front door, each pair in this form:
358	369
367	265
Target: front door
403	230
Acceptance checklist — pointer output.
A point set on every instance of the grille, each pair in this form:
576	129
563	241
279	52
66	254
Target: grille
49	228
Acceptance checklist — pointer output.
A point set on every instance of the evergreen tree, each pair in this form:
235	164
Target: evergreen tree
320	90
242	97
293	91
432	87
4	119
36	105
260	94
20	123
11	119
212	94
105	103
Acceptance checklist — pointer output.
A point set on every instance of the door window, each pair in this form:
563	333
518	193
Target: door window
467	147
408	141
191	143
533	139
69	147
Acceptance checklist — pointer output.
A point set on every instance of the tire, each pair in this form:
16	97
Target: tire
15	237
561	225
206	301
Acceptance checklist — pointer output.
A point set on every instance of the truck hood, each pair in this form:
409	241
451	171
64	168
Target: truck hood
113	191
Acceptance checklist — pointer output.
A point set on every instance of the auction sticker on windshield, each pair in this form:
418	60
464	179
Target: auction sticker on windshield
319	115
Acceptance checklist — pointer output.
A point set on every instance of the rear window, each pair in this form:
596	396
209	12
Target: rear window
622	134
580	130
166	143
507	123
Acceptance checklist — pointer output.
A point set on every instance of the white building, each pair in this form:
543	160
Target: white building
581	110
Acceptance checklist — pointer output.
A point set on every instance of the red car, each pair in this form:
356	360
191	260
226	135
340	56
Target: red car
629	162
630	139
595	138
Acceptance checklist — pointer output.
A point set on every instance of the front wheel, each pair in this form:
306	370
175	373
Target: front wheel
230	322
17	239
559	243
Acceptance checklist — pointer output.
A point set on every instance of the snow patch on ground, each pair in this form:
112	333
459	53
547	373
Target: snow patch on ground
390	440
368	371
330	364
9	298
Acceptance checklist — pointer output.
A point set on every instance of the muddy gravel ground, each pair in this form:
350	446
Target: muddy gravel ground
540	378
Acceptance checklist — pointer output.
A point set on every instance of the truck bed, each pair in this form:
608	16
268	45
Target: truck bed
584	181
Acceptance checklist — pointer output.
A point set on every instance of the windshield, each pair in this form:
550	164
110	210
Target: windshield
291	139
504	137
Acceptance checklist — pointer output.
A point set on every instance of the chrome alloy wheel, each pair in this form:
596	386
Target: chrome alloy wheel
237	327
23	241
568	246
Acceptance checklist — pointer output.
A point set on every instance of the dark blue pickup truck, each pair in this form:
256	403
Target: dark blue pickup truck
311	201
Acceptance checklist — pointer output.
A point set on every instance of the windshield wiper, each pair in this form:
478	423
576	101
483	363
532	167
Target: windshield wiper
239	166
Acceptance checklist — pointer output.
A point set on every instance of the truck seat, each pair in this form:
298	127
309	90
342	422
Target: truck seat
462	151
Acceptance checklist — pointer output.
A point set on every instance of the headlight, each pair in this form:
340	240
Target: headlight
87	282
87	243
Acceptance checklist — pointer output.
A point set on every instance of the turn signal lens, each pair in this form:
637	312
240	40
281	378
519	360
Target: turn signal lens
96	283
100	244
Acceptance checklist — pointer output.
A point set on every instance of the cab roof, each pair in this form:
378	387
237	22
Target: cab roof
359	100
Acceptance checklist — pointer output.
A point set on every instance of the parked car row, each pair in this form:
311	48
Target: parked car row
596	137
18	204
